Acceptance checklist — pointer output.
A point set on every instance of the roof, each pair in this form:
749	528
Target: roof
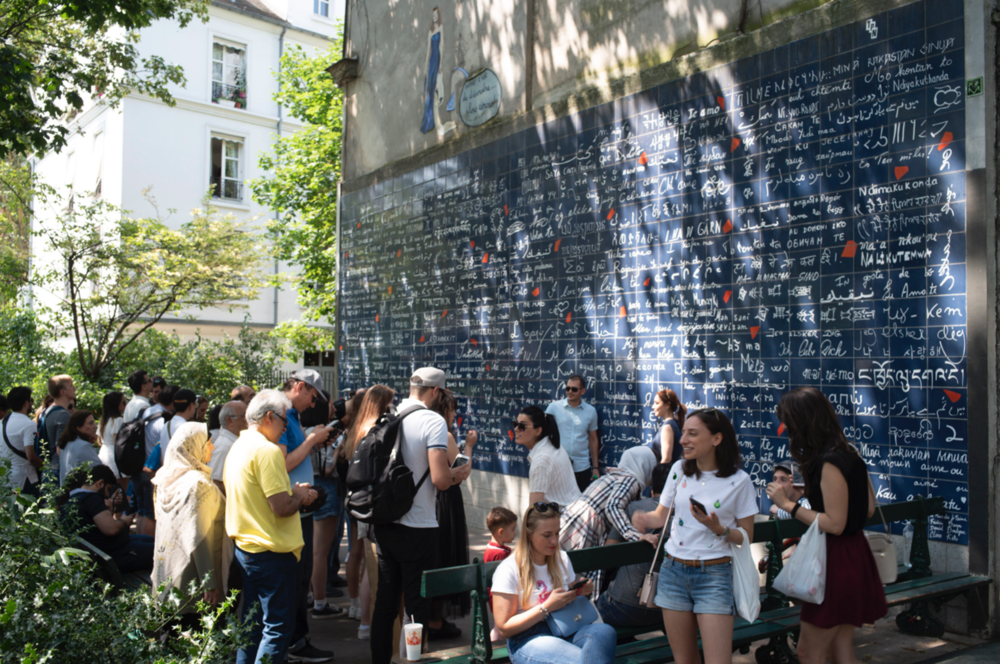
253	7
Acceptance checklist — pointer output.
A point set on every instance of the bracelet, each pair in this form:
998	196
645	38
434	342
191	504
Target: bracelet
725	534
545	612
795	509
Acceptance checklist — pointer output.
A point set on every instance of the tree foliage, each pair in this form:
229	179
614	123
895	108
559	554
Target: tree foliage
303	173
114	277
17	185
54	609
54	54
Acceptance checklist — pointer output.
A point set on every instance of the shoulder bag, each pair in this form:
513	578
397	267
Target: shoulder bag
568	620
883	549
647	594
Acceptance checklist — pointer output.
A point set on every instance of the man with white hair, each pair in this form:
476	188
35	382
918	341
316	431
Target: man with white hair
233	421
262	518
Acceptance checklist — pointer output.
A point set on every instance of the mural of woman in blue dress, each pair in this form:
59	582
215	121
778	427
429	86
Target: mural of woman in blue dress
433	84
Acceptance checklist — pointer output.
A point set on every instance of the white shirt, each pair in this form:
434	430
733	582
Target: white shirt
153	428
222	444
168	430
731	498
135	405
507	580
551	472
21	431
422	431
107	451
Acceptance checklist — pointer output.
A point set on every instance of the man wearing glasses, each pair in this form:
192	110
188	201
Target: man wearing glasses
577	423
262	518
304	389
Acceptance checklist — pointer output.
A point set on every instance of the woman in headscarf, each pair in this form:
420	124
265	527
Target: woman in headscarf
587	521
191	540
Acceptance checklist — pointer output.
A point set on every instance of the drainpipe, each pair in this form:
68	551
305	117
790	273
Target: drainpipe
281	51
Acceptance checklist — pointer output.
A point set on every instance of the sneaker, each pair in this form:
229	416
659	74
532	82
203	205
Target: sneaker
310	653
337	582
354	613
364	632
328	611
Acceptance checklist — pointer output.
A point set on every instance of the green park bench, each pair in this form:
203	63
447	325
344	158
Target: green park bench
916	586
108	571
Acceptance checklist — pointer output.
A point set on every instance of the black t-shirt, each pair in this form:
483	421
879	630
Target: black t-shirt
84	506
855	471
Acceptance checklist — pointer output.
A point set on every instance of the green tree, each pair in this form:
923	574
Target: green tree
17	188
56	53
115	277
303	173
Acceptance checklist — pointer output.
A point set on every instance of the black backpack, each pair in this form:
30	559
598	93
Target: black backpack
130	443
42	441
379	485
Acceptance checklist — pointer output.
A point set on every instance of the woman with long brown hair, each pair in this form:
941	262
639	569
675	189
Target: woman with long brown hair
841	499
667	444
112	409
76	444
376	401
533	583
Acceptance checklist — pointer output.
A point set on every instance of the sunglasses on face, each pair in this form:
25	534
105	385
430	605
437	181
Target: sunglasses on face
520	426
572	389
543	508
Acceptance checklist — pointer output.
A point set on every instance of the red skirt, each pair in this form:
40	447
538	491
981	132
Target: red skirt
854	593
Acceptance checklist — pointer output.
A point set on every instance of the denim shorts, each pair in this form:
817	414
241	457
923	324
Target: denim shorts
702	589
334	503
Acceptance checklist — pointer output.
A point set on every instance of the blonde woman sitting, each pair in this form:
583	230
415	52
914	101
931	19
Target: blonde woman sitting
530	585
191	540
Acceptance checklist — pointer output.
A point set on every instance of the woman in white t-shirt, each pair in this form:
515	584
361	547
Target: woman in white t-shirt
695	589
530	585
111	423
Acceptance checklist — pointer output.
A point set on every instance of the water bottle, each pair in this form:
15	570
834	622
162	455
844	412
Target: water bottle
908	545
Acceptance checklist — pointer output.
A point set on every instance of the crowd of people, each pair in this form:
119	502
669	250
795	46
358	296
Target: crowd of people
250	495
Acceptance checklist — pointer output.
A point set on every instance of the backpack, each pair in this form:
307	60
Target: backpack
42	441
130	443
380	486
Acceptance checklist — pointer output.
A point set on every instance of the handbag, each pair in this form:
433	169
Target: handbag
883	549
746	580
804	575
647	594
568	620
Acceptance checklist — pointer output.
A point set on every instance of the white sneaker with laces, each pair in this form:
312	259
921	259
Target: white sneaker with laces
364	632
354	613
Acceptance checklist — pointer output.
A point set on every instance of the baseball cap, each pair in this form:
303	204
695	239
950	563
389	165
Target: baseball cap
792	468
428	377
312	379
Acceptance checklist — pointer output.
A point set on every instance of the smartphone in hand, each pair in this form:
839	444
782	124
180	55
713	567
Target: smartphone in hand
576	585
460	461
695	503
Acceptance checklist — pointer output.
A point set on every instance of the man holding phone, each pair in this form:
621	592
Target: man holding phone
577	422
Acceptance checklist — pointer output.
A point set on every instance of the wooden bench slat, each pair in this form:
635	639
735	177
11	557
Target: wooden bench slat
449	580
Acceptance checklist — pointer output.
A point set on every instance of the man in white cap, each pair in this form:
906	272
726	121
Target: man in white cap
304	388
409	546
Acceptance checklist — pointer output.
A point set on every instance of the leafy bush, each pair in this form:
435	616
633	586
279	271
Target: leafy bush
53	608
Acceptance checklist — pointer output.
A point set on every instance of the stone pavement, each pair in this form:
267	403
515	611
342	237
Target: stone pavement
880	644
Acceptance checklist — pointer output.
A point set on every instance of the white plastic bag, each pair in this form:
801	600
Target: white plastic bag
804	575
746	580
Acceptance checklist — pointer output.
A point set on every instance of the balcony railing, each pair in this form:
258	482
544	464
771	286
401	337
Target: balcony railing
229	189
226	95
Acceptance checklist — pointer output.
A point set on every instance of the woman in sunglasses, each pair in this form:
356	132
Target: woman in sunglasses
710	496
550	471
535	582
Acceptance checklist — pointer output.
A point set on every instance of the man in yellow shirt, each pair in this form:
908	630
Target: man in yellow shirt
262	517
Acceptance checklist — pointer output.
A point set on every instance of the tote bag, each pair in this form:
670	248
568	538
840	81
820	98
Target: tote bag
746	580
804	575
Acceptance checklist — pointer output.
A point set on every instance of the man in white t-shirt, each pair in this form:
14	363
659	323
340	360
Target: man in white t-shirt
19	434
409	546
233	420
142	386
185	406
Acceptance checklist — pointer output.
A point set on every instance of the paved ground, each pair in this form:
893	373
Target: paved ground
881	644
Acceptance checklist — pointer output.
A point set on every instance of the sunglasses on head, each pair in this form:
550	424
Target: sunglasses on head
520	426
542	508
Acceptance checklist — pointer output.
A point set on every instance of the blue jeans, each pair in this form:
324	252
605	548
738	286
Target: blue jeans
593	644
269	586
701	589
619	614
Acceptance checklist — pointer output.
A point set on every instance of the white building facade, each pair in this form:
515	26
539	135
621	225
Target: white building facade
225	116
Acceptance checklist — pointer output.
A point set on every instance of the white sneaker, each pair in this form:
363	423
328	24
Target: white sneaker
364	632
354	613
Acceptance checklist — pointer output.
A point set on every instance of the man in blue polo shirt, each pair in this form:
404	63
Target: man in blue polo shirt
304	388
577	422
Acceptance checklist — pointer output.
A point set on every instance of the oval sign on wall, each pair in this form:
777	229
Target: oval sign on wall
480	100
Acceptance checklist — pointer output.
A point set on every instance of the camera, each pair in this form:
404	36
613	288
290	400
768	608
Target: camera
316	504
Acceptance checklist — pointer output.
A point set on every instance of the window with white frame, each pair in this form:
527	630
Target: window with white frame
322	8
229	74
227	168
